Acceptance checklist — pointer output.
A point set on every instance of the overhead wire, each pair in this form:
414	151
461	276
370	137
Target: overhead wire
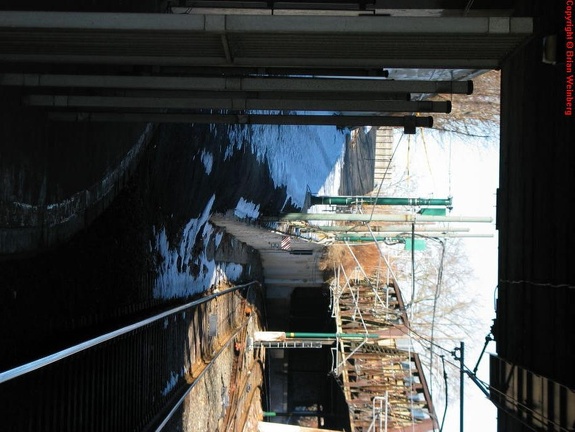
435	299
432	343
420	337
440	269
491	389
446	393
518	404
429	166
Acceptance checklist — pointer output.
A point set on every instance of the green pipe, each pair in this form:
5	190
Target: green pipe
358	238
406	218
330	335
395	236
362	229
349	200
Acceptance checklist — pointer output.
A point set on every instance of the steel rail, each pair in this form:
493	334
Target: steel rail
234	414
200	375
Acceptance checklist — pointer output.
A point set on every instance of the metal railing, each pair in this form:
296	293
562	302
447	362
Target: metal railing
60	355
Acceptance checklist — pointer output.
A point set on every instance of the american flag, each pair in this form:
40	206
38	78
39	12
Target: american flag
286	243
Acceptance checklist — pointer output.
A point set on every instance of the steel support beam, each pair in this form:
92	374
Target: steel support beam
253	41
192	94
220	24
239	104
230	95
484	5
282	5
332	120
366	86
327	96
244	71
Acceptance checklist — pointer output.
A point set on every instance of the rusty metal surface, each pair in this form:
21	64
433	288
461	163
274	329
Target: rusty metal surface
375	368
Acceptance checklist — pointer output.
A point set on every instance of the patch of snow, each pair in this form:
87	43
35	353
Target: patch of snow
174	278
180	272
218	239
172	381
237	135
23	205
247	209
298	156
208	161
333	180
330	187
233	271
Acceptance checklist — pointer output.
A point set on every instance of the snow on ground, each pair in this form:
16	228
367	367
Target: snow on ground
247	209
173	279
172	381
208	161
299	157
330	187
180	273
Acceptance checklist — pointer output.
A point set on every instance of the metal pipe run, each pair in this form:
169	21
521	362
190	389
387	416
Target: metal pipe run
275	336
273	119
296	335
204	94
395	236
388	229
254	84
409	218
350	200
70	101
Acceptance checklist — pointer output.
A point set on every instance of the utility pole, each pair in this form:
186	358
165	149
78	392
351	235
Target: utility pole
461	358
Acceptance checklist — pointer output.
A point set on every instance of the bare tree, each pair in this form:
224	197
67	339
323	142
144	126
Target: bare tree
474	115
440	310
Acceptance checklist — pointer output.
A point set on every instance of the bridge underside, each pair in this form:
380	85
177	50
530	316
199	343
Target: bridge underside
159	56
367	42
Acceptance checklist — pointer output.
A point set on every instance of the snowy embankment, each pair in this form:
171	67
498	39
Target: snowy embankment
299	158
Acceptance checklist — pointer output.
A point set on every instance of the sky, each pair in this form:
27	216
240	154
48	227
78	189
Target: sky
467	170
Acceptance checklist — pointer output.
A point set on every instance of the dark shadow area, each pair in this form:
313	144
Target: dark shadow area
314	398
535	296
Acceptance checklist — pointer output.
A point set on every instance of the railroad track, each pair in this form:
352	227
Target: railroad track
135	378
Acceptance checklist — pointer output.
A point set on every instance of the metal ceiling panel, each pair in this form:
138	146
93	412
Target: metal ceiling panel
293	41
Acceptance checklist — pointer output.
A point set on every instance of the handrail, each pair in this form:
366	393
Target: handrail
67	352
